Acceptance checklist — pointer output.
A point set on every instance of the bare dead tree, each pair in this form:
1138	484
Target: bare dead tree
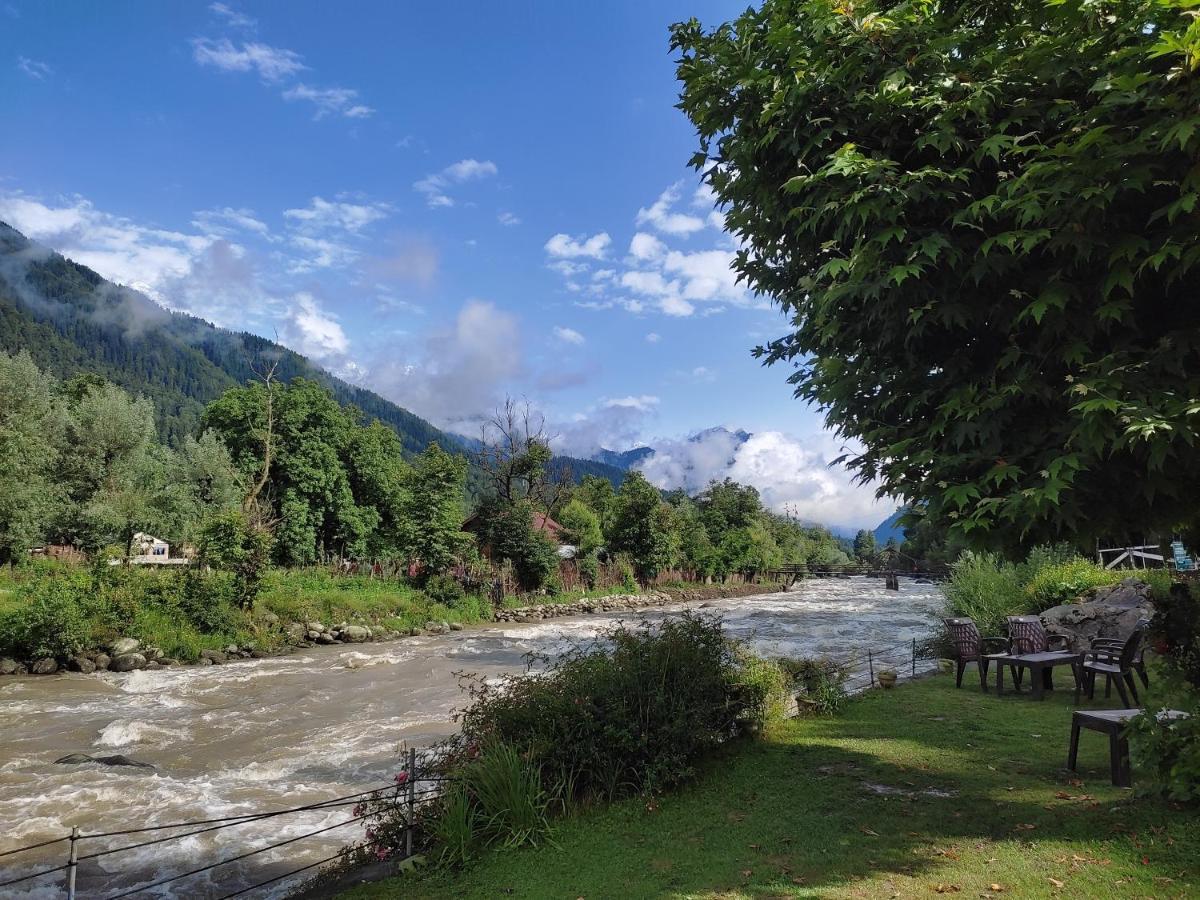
516	458
252	504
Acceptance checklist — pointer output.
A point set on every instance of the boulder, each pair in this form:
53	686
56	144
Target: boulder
45	666
316	626
121	646
295	632
214	657
324	638
356	634
456	626
102	661
1109	612
81	664
269	618
204	661
231	649
119	759
8	666
152	664
127	662
167	661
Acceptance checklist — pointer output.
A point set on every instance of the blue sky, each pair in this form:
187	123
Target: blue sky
444	202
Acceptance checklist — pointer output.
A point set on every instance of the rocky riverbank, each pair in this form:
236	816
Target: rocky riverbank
128	654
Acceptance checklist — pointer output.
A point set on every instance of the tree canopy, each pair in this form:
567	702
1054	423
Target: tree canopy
981	223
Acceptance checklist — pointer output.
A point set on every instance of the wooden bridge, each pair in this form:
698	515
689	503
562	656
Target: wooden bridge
793	572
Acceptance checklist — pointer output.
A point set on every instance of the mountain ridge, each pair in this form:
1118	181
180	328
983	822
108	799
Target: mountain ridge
71	320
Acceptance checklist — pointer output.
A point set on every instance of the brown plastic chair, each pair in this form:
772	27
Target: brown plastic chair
1027	635
969	647
1117	665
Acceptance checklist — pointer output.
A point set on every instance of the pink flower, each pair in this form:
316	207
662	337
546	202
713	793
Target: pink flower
401	777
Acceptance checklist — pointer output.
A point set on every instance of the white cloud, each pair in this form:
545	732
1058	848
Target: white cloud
232	17
787	471
507	218
563	246
660	216
322	214
706	274
202	274
435	187
460	373
643	403
271	63
330	101
226	221
704	373
568	335
320	253
646	247
35	69
311	330
653	337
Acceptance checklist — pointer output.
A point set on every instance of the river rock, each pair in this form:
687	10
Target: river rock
167	661
259	654
436	628
8	666
231	649
316	626
81	664
119	759
324	638
102	661
214	657
204	661
127	662
1109	612
356	634
456	626
295	632
121	646
45	666
270	618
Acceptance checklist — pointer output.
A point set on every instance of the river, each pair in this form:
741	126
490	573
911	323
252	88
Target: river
258	735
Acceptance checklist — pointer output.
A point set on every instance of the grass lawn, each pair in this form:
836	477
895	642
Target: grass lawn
915	792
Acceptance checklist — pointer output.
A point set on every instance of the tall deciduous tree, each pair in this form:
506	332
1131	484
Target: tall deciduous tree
981	221
643	527
431	510
31	429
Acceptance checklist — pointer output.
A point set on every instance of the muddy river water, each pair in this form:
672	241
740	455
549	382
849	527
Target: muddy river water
258	735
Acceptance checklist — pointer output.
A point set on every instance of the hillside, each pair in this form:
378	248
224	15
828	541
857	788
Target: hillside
73	321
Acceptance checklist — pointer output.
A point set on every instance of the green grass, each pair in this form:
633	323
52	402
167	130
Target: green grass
792	815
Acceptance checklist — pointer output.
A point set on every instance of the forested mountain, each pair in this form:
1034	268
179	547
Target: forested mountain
73	321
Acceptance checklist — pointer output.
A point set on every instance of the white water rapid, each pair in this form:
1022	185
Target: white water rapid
258	735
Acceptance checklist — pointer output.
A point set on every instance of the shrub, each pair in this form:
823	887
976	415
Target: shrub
818	681
634	712
1063	582
1171	750
445	589
53	621
987	589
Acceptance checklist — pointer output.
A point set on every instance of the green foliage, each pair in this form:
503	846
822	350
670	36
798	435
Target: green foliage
581	527
987	256
52	620
1171	750
507	528
431	509
634	713
642	527
230	542
1058	583
864	545
819	683
63	610
444	589
986	588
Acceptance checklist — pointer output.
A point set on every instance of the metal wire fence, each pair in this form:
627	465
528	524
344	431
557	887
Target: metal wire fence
412	790
856	672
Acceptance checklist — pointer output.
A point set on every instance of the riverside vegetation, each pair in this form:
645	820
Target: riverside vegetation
282	484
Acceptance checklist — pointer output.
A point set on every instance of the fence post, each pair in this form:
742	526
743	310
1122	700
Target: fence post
412	801
914	671
871	667
72	863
